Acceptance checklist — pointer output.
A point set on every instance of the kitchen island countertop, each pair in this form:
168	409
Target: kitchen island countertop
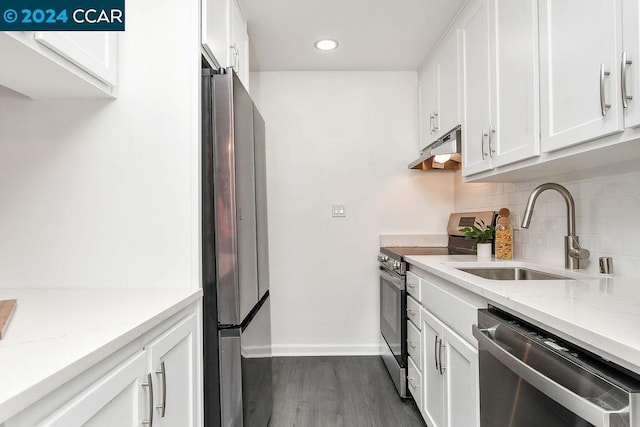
599	313
56	334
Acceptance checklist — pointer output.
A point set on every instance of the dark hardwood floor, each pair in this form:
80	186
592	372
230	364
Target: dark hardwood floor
338	391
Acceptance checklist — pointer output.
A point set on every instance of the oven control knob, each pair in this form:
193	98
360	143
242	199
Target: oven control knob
396	265
383	258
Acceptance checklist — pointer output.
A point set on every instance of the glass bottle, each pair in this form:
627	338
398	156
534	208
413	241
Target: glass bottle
504	239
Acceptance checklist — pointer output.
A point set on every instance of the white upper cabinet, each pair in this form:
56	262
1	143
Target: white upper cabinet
224	36
60	65
439	98
216	27
239	44
428	102
500	83
94	52
580	53
630	63
516	92
448	83
476	86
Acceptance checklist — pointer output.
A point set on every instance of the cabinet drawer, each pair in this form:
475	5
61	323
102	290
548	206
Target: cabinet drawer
414	382
457	311
413	286
413	311
413	343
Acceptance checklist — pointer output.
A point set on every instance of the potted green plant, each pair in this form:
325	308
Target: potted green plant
481	233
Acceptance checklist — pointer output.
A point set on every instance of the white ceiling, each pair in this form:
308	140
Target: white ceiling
376	35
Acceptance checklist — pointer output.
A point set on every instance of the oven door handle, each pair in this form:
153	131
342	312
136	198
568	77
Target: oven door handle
588	411
397	282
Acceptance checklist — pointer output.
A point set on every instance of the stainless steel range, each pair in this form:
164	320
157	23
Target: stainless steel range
393	293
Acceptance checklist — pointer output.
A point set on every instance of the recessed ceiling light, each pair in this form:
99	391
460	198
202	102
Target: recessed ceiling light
326	44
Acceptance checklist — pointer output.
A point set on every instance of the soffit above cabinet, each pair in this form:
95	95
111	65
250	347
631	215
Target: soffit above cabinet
375	35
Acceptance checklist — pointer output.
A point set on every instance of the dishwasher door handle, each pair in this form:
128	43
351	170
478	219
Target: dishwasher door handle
588	411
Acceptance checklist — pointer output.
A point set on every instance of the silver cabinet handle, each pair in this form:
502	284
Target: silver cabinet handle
492	149
411	286
412	344
411	312
149	386
623	80
442	368
236	58
604	107
436	121
162	372
484	134
585	409
233	54
435	352
431	128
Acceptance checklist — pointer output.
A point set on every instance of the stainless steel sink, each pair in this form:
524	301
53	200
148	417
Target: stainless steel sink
512	273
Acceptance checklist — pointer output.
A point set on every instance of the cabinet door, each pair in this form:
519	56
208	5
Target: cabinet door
216	30
462	383
118	399
428	104
476	86
95	52
173	363
578	39
630	72
514	54
448	115
239	44
432	405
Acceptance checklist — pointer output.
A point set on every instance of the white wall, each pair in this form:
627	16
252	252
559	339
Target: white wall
607	204
105	193
340	137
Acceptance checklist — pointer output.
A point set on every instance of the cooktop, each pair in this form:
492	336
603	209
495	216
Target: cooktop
401	251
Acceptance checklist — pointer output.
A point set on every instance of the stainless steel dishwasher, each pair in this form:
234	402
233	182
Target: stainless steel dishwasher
530	378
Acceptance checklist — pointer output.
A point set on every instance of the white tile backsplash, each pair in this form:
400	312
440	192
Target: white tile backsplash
607	211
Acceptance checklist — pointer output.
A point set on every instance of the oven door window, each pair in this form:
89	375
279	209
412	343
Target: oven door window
392	306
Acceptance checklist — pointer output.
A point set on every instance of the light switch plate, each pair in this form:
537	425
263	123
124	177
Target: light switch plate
339	210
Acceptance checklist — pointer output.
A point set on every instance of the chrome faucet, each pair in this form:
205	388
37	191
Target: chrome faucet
573	253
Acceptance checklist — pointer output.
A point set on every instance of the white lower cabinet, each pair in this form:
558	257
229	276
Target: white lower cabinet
158	385
414	345
460	366
450	376
414	382
118	399
172	359
446	363
432	378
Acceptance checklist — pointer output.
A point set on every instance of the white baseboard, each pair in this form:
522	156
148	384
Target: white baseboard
326	350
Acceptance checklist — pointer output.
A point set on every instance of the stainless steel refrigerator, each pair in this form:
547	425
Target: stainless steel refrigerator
237	318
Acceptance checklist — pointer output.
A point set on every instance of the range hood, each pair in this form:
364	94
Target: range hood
448	147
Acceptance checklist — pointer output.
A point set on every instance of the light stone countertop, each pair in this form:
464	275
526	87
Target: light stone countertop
56	334
599	313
